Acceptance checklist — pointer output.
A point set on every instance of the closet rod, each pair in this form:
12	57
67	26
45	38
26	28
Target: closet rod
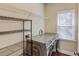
12	18
13	31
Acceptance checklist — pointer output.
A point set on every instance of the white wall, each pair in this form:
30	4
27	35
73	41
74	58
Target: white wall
51	11
20	11
78	30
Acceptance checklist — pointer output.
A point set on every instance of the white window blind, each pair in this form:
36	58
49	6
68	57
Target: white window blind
66	25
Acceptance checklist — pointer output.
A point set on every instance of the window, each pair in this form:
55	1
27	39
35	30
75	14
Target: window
65	25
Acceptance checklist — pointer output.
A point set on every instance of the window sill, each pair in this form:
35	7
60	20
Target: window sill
68	40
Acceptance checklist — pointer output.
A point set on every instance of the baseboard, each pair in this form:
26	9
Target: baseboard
66	52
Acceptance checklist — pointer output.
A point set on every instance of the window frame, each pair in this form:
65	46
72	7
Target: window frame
73	25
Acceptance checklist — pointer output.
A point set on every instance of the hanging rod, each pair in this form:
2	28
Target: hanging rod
13	31
12	18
